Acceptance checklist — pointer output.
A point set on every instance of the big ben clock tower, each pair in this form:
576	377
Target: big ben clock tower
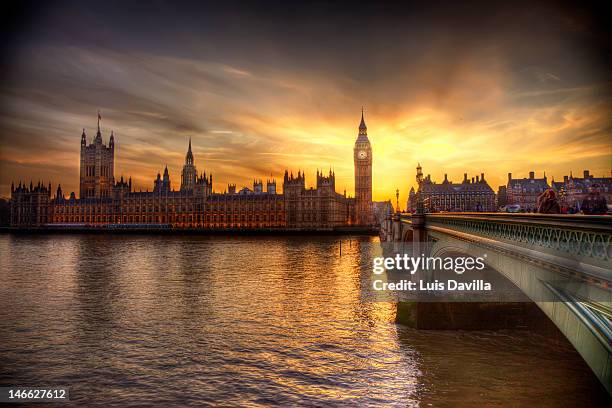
362	153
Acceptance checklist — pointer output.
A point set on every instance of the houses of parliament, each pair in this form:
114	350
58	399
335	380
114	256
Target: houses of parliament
105	202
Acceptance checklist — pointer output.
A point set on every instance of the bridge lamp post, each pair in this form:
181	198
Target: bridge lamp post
397	207
419	179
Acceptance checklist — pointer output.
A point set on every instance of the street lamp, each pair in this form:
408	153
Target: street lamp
397	207
419	179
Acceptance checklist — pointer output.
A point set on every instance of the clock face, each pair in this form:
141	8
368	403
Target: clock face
362	154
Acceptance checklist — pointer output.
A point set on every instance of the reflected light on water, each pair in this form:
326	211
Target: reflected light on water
240	321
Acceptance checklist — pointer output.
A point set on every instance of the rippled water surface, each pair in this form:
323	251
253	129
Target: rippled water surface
239	321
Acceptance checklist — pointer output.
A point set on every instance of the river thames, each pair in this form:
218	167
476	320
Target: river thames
139	320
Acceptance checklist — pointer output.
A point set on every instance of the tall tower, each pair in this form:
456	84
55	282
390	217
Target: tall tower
97	170
189	174
362	154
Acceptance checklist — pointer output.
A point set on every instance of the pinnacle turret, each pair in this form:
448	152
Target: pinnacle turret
363	129
189	156
99	133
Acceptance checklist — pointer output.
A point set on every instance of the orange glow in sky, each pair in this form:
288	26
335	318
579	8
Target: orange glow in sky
458	94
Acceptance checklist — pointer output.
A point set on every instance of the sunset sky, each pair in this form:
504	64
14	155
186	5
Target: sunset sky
261	87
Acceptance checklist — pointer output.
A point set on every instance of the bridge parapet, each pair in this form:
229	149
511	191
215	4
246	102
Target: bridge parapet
587	238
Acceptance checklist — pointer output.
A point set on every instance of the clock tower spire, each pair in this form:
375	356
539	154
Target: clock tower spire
363	129
362	155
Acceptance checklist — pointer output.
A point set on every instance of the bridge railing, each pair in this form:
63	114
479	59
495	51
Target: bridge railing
587	238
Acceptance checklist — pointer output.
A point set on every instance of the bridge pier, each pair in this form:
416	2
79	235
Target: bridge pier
396	231
476	316
419	234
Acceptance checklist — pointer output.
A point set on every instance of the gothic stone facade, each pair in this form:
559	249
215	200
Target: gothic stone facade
97	166
572	190
525	191
473	194
104	202
362	156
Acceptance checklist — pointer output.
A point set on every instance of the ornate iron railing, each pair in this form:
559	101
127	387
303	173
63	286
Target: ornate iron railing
586	237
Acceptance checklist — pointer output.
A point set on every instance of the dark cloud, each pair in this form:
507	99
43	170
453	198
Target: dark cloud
260	86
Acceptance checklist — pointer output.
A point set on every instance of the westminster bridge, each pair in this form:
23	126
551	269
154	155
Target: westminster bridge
535	252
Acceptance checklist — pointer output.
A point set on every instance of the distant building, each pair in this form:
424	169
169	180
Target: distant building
104	202
572	190
525	191
473	194
319	207
502	196
31	205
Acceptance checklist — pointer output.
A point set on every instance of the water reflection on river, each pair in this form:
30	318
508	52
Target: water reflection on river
247	321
